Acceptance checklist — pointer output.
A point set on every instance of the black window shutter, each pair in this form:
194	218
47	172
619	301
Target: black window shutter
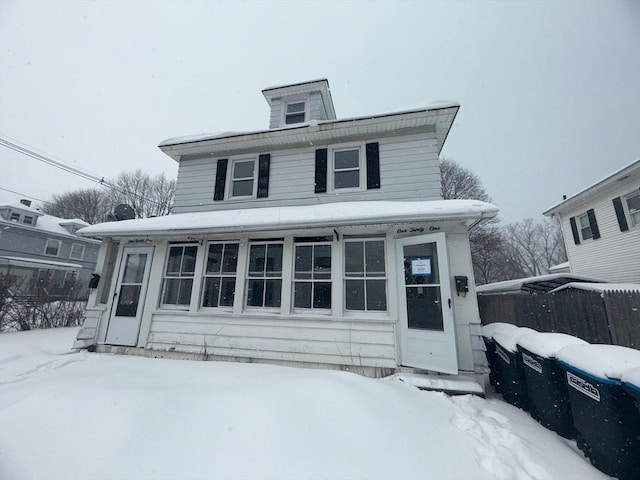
373	166
221	178
622	219
321	170
574	230
264	164
593	224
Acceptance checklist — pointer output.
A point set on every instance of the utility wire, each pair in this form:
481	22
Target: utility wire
24	195
67	168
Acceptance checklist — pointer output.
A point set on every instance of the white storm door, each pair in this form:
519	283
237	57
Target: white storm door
128	300
427	337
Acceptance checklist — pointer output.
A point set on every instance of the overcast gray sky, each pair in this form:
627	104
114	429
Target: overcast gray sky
549	91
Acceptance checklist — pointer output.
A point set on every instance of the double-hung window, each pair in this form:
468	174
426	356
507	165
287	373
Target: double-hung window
312	274
52	248
28	219
220	275
243	173
633	204
178	276
365	275
77	251
585	227
347	169
264	276
15	217
295	113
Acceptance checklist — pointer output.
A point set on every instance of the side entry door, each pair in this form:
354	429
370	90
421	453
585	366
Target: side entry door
128	300
427	336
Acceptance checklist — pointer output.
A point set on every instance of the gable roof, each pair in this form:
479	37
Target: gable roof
630	173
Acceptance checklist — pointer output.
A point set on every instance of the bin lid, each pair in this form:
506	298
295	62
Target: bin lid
491	329
602	361
547	344
632	378
508	339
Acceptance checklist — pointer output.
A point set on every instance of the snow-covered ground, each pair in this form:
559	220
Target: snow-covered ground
85	415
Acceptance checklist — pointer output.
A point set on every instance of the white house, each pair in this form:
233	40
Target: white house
601	227
317	242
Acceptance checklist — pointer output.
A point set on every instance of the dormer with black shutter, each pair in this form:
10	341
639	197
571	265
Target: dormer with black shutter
299	103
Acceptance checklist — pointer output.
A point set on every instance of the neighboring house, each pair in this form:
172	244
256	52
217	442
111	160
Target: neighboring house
601	227
36	246
318	242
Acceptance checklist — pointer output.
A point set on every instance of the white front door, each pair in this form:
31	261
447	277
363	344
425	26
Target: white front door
128	300
427	337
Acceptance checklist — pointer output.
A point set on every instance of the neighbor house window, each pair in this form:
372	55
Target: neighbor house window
178	277
585	227
242	178
220	275
365	275
15	217
264	277
295	113
28	220
347	171
69	278
53	247
312	274
633	204
77	251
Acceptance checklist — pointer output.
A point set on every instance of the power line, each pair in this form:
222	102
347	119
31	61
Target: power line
67	168
24	195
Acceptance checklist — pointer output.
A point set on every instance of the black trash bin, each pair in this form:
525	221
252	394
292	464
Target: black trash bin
488	331
509	366
545	380
605	416
631	384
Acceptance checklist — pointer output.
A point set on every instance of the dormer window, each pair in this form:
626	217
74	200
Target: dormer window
28	220
15	217
295	113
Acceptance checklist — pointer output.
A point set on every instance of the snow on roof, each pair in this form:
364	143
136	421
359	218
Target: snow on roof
279	218
620	174
602	361
45	222
75	221
22	207
547	344
559	267
517	284
600	287
37	263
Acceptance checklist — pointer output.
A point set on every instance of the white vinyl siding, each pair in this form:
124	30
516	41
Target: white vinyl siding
409	170
615	256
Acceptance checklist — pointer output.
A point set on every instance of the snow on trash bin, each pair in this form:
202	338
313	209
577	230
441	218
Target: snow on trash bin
490	350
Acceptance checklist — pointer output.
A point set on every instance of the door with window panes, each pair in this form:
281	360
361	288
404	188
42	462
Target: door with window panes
427	337
128	299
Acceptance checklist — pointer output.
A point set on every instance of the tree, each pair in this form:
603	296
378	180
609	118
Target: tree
91	205
460	182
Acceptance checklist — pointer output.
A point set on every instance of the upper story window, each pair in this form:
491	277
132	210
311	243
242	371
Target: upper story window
243	173
178	276
365	280
312	274
15	217
77	251
28	219
294	112
264	277
347	169
585	227
52	248
220	275
633	205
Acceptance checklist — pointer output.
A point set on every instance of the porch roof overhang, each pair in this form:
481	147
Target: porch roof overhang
26	262
434	118
269	219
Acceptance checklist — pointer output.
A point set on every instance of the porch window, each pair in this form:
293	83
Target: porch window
220	275
52	248
312	275
178	277
633	204
365	275
243	178
264	278
347	169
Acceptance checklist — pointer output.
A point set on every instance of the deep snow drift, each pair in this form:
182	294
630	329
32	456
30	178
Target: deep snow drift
85	415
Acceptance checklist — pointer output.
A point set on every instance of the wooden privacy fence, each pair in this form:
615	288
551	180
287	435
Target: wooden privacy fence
611	317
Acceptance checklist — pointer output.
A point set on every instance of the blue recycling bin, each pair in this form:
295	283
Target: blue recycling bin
604	414
488	331
509	366
545	380
631	384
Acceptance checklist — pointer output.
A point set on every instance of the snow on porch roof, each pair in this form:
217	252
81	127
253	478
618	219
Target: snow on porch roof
541	284
283	218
